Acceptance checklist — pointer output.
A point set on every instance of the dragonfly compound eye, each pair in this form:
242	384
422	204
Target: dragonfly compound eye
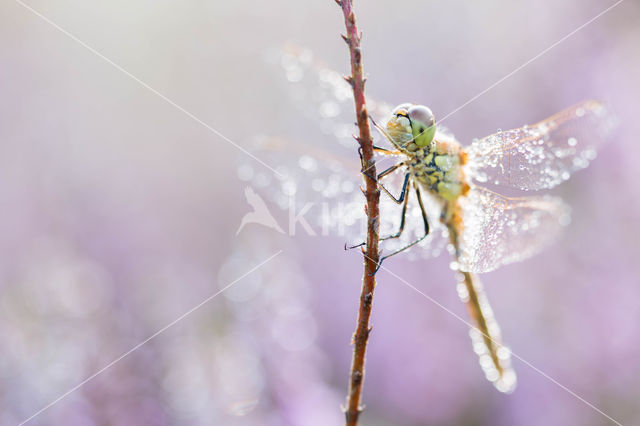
421	115
401	110
423	124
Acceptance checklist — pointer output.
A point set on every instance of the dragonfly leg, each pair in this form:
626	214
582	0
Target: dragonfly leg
387	172
413	243
423	211
384	173
390	170
402	219
385	151
402	199
381	130
381	149
403	194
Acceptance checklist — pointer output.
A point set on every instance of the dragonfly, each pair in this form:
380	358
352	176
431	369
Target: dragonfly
453	209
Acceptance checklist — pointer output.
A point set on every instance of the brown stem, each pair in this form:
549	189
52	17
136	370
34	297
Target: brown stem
372	195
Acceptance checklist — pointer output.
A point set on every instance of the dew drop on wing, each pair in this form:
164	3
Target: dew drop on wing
308	163
551	145
329	109
294	74
500	230
245	172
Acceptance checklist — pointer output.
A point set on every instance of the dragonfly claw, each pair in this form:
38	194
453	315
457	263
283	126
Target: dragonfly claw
346	247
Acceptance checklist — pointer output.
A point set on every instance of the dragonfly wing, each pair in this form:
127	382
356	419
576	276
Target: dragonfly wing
323	95
322	187
544	154
497	230
315	185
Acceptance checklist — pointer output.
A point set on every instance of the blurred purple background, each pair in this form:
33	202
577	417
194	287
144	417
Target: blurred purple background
119	215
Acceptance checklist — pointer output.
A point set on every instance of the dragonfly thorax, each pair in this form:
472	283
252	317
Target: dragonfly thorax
439	170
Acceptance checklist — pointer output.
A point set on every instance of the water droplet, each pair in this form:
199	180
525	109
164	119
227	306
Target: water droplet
329	109
504	352
245	172
347	186
486	362
492	374
572	141
308	163
294	73
508	381
317	185
261	180
289	188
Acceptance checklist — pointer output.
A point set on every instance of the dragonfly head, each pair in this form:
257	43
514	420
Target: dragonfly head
411	123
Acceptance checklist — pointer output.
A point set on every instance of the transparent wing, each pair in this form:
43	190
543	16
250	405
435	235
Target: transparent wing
322	94
497	230
324	189
544	154
324	172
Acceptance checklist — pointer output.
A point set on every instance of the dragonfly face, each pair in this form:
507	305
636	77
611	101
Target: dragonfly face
434	163
411	123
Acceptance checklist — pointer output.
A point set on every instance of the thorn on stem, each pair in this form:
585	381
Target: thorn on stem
367	299
357	378
345	38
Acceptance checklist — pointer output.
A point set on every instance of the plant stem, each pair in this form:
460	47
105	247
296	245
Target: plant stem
372	195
